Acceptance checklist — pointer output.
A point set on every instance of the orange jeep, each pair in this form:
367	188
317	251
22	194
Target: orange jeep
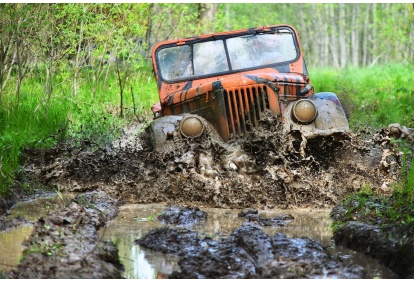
224	82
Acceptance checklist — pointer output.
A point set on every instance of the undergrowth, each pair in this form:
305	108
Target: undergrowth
93	114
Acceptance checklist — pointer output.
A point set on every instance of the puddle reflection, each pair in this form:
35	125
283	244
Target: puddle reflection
136	220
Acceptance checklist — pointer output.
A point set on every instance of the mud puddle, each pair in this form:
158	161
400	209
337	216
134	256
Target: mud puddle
136	220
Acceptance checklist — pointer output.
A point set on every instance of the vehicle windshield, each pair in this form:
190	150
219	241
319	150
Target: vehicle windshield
210	57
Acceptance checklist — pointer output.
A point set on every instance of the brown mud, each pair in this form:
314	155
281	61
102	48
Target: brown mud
65	243
252	215
247	253
263	170
182	215
390	242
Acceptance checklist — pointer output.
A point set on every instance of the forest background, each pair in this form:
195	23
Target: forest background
81	71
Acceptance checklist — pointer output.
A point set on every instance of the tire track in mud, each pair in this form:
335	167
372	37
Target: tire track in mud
262	170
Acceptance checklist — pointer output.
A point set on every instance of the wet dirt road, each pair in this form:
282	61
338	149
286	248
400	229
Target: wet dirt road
136	220
264	171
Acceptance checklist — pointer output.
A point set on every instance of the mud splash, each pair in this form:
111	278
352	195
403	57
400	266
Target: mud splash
263	170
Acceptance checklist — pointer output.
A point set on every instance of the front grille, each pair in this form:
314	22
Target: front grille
244	108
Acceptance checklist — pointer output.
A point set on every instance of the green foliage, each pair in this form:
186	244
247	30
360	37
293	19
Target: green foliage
82	117
366	206
385	93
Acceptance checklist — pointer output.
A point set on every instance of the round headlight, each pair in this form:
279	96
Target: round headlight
304	111
191	127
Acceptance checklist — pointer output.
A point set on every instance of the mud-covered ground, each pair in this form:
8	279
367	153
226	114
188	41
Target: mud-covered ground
263	170
247	253
66	244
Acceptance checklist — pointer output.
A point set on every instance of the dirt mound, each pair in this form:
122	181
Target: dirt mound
263	170
252	215
182	215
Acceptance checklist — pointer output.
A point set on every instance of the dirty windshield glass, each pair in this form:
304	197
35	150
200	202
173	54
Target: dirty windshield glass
212	57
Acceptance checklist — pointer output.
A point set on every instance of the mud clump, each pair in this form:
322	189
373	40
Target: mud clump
252	215
179	215
371	229
247	253
65	244
170	241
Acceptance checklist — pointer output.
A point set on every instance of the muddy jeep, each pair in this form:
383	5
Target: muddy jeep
223	83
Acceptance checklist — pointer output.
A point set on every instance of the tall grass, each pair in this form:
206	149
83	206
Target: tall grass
374	97
31	124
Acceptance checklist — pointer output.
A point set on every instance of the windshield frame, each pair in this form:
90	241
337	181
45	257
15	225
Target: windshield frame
191	42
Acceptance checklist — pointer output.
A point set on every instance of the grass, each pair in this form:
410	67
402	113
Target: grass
374	97
367	207
84	116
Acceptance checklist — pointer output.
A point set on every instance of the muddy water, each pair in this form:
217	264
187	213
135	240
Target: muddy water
34	209
11	248
134	221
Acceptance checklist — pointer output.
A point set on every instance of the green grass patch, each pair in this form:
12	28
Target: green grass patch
373	97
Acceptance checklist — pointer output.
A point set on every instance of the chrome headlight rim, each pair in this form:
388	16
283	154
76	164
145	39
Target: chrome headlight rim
304	111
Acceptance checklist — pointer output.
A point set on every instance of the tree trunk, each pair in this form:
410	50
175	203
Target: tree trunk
149	29
342	36
326	42
365	38
334	36
206	16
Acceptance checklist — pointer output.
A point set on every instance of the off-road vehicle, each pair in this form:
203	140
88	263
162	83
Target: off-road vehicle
224	82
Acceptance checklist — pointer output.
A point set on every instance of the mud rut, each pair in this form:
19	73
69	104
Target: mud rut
262	170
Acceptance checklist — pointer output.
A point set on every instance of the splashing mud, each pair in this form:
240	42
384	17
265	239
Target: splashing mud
262	170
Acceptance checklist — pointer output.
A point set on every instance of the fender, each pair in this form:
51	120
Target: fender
162	130
331	117
166	131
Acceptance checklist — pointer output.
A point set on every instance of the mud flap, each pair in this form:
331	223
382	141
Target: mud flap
331	117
